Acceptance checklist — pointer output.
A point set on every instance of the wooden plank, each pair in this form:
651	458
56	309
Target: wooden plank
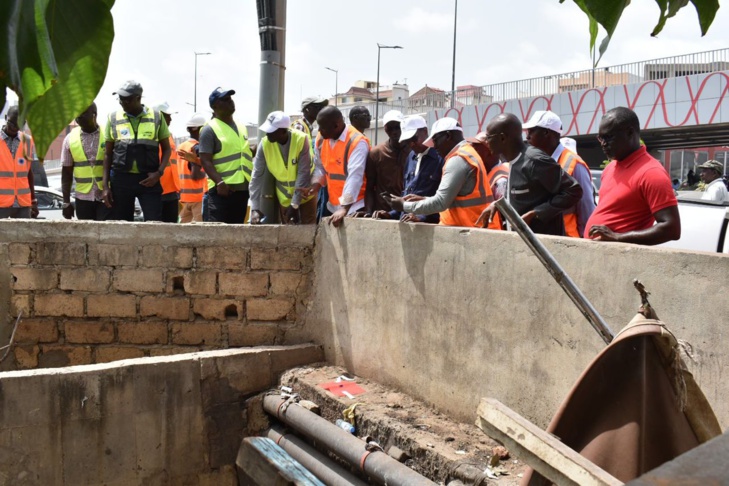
543	452
261	462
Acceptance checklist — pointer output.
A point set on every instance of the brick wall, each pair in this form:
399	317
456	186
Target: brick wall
98	292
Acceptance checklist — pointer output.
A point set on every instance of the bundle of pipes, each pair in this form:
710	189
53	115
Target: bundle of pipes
376	465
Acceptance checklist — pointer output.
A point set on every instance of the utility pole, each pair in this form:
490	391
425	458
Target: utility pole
453	72
194	99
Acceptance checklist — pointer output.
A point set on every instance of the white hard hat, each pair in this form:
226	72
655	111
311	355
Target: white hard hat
197	120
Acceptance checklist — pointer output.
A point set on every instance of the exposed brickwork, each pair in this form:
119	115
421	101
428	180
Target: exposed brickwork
111	305
84	302
82	332
197	333
245	284
33	279
88	279
142	332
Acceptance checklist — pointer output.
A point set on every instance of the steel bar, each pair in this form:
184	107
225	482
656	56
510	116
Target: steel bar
376	465
321	466
564	280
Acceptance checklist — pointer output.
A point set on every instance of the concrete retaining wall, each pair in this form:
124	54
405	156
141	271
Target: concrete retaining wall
451	315
98	292
174	420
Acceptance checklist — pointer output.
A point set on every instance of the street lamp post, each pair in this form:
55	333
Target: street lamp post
377	96
194	100
453	73
336	83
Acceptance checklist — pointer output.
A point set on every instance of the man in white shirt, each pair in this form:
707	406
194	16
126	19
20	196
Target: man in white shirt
711	174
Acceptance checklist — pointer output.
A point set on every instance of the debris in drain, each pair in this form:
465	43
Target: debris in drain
461	453
398	454
449	439
347	389
343	424
501	452
430	445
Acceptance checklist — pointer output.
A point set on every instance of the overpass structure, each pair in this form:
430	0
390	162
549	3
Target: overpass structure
676	112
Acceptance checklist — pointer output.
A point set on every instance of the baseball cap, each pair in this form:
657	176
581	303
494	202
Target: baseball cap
164	107
544	119
410	125
274	121
197	120
713	164
219	93
446	124
129	88
479	138
312	100
392	115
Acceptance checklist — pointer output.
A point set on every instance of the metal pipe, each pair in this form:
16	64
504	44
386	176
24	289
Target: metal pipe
376	465
321	466
555	270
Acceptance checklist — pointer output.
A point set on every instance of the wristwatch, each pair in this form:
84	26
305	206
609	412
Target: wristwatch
295	206
65	205
161	172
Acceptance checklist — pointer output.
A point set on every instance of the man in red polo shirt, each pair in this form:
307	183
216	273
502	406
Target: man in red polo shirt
637	203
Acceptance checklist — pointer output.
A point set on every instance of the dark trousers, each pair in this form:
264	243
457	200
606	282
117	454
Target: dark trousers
322	211
92	210
126	187
15	213
206	208
230	210
170	207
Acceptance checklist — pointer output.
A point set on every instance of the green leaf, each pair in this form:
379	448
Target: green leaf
668	8
81	34
706	9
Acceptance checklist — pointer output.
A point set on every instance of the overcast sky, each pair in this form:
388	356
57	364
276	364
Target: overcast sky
497	41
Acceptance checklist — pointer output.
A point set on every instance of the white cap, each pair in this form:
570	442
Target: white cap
446	124
392	115
569	143
197	120
164	107
274	121
410	125
544	119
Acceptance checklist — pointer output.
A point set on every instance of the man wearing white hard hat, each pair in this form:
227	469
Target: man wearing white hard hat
544	130
423	169
193	182
385	165
170	180
286	155
463	192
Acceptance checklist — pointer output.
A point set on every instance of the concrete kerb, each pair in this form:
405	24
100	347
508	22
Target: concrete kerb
135	421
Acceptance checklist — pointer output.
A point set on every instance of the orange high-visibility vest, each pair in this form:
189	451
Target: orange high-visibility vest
191	190
170	180
569	160
14	173
335	160
497	172
465	210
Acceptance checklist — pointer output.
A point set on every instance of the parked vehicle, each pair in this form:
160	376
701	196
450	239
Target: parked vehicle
50	203
703	224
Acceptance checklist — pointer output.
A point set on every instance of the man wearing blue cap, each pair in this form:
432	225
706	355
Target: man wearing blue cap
227	160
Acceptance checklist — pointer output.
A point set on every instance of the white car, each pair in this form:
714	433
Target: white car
50	203
703	224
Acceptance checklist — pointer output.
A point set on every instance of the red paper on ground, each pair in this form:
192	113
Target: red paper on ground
338	389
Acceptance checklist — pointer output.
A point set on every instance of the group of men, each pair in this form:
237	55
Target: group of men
413	176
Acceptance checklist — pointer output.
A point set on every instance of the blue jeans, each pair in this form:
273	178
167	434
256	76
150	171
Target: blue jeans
125	187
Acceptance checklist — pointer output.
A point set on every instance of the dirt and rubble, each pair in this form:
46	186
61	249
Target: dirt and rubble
438	447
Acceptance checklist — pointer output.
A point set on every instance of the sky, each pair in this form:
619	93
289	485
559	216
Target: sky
500	41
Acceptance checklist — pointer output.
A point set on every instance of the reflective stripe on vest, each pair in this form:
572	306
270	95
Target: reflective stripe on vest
497	172
285	174
191	190
335	161
84	172
170	179
465	210
569	161
234	162
14	173
124	136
